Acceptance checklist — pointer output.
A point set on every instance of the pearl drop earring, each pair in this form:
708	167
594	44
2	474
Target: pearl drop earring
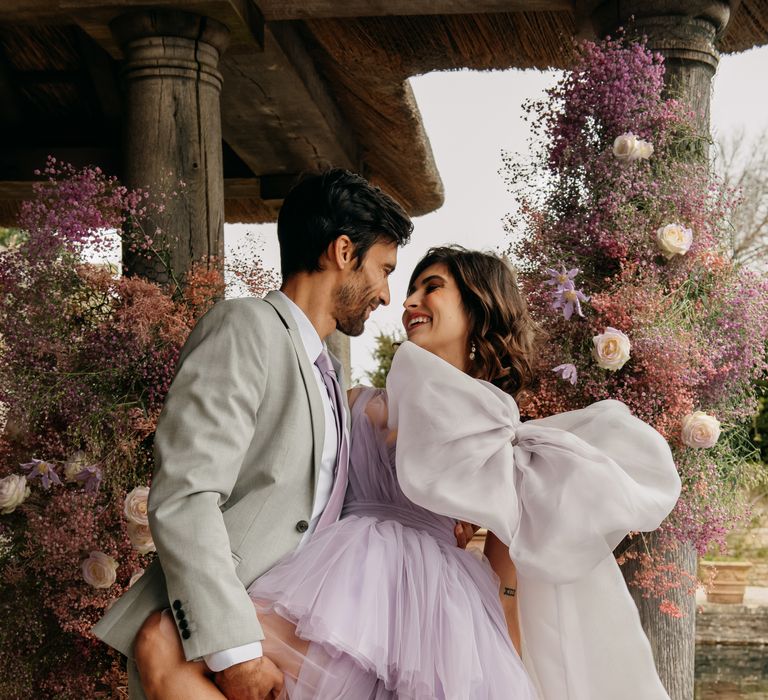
472	351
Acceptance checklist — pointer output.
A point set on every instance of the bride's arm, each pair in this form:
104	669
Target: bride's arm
352	395
498	556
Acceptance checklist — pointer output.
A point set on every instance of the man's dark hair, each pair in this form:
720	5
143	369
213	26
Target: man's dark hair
323	206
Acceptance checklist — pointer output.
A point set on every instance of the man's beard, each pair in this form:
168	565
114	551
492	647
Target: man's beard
352	303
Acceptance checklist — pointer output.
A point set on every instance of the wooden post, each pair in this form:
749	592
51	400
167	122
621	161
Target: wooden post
338	344
684	32
172	134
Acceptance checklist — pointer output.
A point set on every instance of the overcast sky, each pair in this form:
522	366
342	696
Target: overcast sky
470	118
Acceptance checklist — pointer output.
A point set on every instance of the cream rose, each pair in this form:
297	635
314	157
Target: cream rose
75	463
700	430
13	492
611	349
628	147
644	150
135	506
674	239
141	538
99	570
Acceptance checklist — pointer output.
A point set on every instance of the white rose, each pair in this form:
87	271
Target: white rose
75	463
625	146
99	570
141	538
700	430
628	147
644	150
135	507
13	492
674	239
611	349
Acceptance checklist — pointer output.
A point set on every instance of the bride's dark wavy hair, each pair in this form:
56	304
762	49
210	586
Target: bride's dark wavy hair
505	336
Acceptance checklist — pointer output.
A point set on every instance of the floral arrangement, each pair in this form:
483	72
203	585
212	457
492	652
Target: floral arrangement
621	235
86	359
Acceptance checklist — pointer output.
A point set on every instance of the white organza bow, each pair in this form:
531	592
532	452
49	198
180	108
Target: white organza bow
561	492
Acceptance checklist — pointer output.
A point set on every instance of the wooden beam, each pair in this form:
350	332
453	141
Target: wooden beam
277	112
242	188
317	9
47	10
288	36
18	190
242	17
234	188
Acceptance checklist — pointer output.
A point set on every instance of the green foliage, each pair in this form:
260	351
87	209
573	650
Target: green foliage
760	423
10	237
386	344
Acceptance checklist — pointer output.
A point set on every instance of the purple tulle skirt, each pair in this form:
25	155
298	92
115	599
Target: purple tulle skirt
375	608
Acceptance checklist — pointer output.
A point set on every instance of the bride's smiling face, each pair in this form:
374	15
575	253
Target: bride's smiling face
434	316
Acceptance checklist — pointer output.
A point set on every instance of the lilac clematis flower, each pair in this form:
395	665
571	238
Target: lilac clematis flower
567	372
561	278
568	299
44	470
90	478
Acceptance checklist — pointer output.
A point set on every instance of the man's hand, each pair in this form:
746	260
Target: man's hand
464	533
258	679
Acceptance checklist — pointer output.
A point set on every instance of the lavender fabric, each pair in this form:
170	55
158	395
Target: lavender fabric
336	501
382	604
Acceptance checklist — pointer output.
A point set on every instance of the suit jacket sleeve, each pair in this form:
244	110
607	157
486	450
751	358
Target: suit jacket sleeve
202	437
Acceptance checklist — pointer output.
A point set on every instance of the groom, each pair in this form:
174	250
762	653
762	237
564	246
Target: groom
251	446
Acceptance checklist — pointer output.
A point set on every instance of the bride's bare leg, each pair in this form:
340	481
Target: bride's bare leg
165	673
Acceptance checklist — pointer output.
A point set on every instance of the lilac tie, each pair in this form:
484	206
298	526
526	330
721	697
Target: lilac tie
336	500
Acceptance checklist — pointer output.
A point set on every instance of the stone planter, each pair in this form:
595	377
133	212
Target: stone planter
729	582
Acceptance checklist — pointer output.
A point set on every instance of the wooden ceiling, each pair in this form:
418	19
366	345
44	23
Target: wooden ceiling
306	84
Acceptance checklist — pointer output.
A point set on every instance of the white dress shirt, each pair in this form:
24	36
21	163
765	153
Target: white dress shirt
313	346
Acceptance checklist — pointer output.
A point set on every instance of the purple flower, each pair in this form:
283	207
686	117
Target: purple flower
561	278
37	467
567	372
89	477
569	298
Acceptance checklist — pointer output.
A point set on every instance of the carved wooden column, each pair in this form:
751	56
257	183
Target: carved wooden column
684	32
172	133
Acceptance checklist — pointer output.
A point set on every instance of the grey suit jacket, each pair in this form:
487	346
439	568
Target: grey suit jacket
237	450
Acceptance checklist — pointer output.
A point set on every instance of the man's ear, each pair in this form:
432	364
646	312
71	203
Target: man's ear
341	252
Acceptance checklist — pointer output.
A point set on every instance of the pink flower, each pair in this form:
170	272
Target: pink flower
567	372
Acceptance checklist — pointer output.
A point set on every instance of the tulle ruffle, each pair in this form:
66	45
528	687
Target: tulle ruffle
391	611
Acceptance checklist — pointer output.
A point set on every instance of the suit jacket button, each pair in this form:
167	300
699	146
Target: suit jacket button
177	605
180	615
186	634
302	526
183	624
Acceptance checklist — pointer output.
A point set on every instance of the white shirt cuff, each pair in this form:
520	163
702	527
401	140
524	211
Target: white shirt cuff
220	660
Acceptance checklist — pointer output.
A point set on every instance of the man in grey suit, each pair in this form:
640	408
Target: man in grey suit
249	440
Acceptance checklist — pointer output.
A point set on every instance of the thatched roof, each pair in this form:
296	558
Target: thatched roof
328	85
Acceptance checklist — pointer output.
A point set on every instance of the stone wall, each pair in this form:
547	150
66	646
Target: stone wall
751	543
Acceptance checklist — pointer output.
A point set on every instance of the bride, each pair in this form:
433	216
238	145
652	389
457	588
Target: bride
383	605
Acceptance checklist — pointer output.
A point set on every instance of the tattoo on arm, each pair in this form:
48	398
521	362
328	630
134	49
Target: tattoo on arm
510	591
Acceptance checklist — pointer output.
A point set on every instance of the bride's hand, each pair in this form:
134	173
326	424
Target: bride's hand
464	533
258	679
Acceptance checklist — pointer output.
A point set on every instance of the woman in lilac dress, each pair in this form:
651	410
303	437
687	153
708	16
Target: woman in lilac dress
383	605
